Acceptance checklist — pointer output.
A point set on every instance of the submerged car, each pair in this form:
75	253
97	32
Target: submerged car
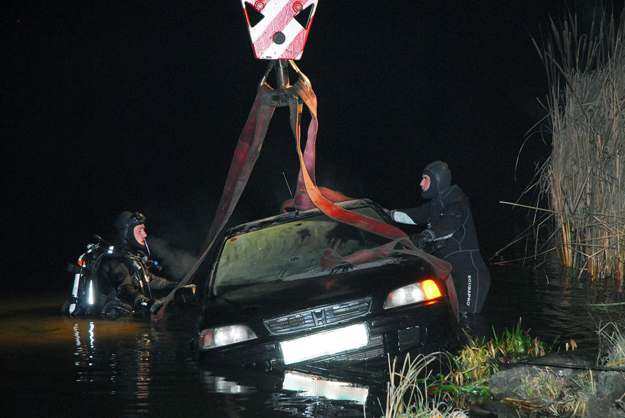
274	300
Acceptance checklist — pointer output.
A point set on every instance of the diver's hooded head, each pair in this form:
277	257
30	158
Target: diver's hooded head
125	226
440	180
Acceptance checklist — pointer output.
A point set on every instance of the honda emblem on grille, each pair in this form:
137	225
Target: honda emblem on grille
319	317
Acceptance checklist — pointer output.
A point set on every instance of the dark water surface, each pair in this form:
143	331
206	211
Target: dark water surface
58	366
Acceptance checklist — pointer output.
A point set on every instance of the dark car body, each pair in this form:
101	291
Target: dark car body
270	299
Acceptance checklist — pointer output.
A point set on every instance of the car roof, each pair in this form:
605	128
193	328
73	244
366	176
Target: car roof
294	216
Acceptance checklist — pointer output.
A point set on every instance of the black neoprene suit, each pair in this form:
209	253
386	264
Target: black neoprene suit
449	217
118	277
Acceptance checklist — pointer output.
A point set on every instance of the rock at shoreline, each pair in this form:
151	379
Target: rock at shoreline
513	381
545	382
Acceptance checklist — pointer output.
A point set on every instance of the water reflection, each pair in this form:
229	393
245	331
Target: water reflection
303	384
300	406
84	352
144	369
311	385
551	304
219	384
307	392
133	367
114	359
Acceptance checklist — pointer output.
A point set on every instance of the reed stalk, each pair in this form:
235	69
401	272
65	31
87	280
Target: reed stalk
583	177
409	394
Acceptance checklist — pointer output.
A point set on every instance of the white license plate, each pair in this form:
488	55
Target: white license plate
324	343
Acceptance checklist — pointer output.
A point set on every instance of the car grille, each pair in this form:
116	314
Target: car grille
375	349
318	317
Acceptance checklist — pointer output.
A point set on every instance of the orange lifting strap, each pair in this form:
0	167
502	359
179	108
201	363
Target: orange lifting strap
308	194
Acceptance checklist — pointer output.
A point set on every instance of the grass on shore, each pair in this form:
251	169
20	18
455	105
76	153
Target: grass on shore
414	391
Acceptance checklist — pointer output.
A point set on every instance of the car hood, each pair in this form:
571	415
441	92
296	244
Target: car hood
257	302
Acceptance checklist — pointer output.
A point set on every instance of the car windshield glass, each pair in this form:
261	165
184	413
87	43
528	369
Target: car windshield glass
290	249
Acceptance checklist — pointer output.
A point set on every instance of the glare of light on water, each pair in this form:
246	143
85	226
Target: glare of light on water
219	384
309	385
91	333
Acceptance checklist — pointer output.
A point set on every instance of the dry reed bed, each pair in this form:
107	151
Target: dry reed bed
583	177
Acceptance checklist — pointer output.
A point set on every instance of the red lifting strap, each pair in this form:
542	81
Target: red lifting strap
308	194
307	172
324	198
245	156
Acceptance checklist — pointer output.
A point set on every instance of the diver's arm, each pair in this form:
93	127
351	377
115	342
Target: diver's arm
413	216
161	283
120	275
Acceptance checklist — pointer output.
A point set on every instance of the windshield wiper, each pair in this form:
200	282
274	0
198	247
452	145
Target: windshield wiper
341	268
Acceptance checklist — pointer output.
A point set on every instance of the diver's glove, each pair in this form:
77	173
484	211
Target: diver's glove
116	307
155	306
420	239
152	305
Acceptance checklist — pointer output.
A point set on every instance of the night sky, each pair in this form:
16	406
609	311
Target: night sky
136	105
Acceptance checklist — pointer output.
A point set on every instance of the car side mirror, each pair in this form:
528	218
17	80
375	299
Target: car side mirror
186	296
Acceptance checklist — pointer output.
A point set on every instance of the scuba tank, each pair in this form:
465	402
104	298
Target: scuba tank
85	295
74	299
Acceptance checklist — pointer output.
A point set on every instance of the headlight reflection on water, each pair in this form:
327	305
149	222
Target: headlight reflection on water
306	385
219	384
310	385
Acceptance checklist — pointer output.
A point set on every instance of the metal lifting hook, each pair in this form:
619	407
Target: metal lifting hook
283	91
282	74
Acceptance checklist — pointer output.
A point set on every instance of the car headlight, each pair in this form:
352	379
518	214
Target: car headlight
413	293
220	336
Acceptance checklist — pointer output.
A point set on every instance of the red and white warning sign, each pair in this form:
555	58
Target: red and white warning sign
279	28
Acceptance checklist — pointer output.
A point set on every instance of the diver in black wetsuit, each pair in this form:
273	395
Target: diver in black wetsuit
450	230
124	281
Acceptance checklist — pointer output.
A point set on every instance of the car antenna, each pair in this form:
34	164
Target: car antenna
291	193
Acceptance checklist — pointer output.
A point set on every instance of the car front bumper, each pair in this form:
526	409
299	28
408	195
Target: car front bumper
424	328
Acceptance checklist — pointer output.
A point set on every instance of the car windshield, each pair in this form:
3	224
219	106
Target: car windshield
292	250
